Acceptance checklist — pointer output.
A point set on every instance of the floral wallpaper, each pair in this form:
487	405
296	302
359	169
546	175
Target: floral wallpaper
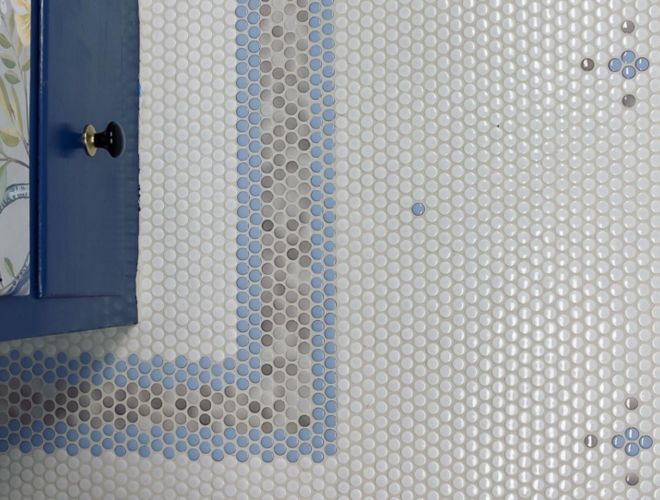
14	146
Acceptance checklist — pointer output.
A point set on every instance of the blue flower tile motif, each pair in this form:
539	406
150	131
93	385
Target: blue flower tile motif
631	442
628	64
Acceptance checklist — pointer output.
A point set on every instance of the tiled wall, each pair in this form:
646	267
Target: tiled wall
492	262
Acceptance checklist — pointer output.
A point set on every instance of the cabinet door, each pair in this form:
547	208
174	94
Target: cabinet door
83	209
87	206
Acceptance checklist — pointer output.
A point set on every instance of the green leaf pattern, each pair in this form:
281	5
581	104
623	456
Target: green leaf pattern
14	149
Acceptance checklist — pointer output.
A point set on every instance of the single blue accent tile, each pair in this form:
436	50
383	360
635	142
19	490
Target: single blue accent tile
646	442
144	451
120	451
168	383
632	434
629	72
169	453
632	449
107	444
96	450
615	65
292	441
418	209
132	445
217	455
642	64
628	56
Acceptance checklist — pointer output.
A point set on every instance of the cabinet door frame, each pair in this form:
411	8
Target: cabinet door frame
31	316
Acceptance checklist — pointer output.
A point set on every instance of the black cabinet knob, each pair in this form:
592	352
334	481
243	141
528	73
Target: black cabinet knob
112	139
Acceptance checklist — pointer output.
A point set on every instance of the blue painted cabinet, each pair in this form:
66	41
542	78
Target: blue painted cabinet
83	58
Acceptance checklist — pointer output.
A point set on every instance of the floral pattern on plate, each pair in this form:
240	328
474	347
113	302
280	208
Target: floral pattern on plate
14	146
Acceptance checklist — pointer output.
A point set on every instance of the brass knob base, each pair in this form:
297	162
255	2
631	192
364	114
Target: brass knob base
88	140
